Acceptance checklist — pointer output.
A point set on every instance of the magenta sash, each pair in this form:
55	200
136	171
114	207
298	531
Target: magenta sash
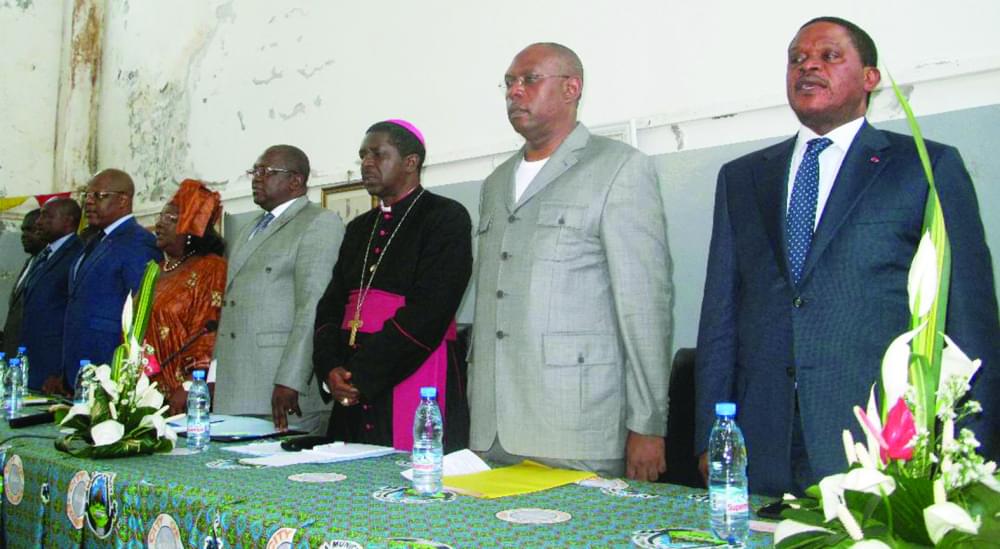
380	306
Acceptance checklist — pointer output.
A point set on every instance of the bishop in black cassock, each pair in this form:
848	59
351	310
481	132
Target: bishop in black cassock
385	324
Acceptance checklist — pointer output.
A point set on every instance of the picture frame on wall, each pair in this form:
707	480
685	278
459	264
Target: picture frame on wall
349	200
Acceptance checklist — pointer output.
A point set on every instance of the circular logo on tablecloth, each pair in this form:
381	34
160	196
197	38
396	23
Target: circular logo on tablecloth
13	479
317	477
628	494
228	464
608	483
164	534
530	515
76	498
282	539
403	494
102	509
675	538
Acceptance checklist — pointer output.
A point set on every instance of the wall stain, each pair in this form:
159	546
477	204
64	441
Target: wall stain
721	116
678	135
274	76
158	120
86	46
308	73
243	126
297	110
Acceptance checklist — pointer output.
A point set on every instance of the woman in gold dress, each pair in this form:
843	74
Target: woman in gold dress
188	296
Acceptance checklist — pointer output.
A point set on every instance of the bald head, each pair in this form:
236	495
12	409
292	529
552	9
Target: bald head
568	60
108	198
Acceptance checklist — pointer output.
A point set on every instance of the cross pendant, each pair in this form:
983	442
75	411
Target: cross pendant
354	324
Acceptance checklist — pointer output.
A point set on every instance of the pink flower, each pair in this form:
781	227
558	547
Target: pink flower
898	433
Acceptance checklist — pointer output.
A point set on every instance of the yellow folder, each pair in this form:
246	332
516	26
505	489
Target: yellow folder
523	478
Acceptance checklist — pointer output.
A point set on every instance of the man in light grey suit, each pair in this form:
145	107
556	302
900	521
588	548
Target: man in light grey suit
278	269
570	359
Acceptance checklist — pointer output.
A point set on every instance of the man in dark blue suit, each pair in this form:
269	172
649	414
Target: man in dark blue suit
32	243
46	291
807	270
110	267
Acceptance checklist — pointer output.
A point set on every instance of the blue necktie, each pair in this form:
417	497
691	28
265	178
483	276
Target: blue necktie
802	208
262	224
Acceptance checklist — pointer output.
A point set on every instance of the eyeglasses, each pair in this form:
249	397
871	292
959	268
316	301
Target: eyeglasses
527	80
267	171
168	217
100	195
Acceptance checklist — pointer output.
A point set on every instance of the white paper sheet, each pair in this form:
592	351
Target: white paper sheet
234	427
461	462
325	453
256	449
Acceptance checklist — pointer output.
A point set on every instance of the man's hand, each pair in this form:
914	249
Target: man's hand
177	401
703	467
645	457
54	386
284	401
338	381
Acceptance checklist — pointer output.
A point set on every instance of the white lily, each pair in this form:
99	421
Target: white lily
870	544
127	315
76	410
147	395
869	481
788	528
831	491
850	523
872	426
943	517
849	447
922	281
955	363
134	351
896	365
107	432
103	375
157	422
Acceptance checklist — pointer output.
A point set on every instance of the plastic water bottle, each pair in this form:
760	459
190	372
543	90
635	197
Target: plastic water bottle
428	449
727	477
3	378
82	386
22	354
12	383
199	421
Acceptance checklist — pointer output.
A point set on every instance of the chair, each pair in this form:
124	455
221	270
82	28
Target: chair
682	464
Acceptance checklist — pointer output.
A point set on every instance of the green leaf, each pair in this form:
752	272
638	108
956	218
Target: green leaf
811	518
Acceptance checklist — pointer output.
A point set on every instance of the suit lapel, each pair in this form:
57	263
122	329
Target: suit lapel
244	249
101	248
18	289
67	248
857	173
563	159
771	184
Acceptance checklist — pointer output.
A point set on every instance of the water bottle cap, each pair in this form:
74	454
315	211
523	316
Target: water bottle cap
84	362
15	362
21	350
428	392
2	354
198	374
727	409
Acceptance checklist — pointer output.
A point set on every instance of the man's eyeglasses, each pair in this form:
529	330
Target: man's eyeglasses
527	80
267	171
168	217
97	196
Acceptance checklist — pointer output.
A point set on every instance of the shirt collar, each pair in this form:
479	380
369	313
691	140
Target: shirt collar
406	198
117	223
54	246
280	208
841	136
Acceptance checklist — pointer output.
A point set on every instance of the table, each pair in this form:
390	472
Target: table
249	506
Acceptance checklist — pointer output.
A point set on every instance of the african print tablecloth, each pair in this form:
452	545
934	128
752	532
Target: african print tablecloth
54	500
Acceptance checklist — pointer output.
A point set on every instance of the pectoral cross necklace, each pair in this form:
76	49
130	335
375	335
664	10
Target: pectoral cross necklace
356	323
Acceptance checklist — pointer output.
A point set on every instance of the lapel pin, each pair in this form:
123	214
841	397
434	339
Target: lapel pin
873	160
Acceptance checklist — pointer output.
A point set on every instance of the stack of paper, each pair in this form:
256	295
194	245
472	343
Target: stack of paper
523	478
325	453
462	462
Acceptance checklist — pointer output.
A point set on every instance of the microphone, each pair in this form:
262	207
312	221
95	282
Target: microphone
210	326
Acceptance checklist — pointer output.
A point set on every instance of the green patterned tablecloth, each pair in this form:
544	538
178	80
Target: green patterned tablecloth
251	505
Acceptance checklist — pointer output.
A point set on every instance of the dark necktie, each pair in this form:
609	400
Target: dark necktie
37	265
261	224
802	208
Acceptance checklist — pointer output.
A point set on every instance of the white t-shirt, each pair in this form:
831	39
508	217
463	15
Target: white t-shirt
526	172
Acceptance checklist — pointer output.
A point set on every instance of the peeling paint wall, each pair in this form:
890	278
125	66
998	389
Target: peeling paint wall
29	83
198	88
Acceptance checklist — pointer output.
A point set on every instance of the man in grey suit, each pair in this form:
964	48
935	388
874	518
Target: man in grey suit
278	269
570	359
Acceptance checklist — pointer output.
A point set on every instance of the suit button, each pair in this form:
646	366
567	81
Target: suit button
500	334
267	269
232	335
500	294
579	359
798	302
232	303
790	371
369	427
511	219
504	256
561	221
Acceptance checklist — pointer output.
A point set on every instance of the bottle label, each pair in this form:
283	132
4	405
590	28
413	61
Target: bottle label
197	429
729	499
423	462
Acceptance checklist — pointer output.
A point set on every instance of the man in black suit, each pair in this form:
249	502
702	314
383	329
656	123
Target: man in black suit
807	270
32	243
